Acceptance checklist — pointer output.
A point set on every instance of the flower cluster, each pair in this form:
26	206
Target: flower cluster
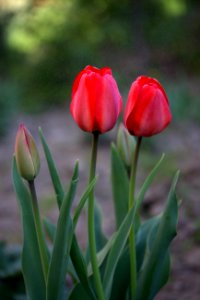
96	103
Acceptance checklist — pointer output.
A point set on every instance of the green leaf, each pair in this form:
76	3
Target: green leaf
31	262
147	183
116	251
77	259
142	238
62	244
82	201
120	186
121	278
101	239
81	268
50	229
75	252
161	275
101	255
79	292
59	191
156	256
77	262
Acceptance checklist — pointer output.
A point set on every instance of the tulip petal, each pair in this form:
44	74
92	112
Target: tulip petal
132	99
82	107
109	104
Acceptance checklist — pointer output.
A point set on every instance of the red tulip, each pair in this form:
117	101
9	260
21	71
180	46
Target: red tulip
147	111
96	101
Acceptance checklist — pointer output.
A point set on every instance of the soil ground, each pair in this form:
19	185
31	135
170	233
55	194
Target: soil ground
180	142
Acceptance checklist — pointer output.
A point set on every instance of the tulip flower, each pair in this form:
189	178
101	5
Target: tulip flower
147	111
96	101
27	157
95	107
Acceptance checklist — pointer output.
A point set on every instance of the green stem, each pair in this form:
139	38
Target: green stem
132	246
91	224
39	231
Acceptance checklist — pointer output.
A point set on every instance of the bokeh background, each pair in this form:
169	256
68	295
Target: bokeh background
43	45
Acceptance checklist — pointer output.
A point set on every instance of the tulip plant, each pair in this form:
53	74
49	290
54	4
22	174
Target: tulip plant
134	263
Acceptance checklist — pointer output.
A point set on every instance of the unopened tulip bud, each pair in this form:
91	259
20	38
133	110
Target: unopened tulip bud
125	144
27	157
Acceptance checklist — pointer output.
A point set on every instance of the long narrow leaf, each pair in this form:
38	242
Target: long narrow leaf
79	293
31	262
148	182
62	244
156	258
80	290
59	191
100	237
120	186
121	278
77	259
81	268
116	251
75	251
101	255
143	236
82	201
50	229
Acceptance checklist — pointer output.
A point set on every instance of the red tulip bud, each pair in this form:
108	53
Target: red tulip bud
96	101
27	157
147	110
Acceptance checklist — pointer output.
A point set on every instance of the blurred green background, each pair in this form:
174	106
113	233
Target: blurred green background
44	44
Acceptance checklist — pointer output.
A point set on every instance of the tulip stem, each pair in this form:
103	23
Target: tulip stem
91	222
132	245
39	231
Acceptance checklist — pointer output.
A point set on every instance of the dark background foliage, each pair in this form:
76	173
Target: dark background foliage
44	44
